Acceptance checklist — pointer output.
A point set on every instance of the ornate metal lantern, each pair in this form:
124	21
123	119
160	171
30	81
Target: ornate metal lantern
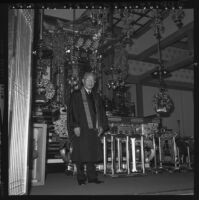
162	103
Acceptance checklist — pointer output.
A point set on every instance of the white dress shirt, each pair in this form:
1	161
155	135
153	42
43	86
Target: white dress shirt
88	91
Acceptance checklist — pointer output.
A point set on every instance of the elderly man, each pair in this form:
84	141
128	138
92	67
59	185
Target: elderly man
86	122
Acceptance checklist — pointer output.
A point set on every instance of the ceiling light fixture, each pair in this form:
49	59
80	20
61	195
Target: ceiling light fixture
177	16
162	103
160	72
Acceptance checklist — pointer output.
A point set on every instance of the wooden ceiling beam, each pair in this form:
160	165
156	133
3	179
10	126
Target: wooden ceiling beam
190	40
143	29
142	14
179	64
147	25
131	79
118	20
170	66
148	60
177	85
181	45
190	67
167	41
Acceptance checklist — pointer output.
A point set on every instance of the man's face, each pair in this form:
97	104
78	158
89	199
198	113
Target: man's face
88	82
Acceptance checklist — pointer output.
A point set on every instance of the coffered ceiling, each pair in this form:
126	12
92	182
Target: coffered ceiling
176	43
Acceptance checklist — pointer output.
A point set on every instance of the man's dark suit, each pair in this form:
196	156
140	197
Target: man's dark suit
87	148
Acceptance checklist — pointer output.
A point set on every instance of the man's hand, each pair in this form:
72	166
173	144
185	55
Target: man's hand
100	131
77	131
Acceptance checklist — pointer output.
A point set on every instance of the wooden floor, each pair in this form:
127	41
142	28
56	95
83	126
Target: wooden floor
164	183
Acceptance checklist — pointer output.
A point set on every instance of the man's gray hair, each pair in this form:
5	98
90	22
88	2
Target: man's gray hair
86	74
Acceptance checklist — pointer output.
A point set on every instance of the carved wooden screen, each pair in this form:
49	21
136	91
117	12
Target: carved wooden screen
20	36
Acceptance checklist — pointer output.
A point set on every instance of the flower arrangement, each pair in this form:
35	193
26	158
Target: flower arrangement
48	87
168	135
87	44
162	102
60	126
148	143
149	129
55	105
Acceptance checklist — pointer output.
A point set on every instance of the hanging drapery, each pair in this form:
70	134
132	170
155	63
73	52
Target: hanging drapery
19	81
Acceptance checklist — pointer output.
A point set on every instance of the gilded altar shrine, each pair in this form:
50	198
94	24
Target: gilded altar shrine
124	146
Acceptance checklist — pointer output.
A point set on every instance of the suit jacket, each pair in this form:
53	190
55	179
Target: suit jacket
87	147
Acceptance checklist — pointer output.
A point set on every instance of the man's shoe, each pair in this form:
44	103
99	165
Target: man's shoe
68	173
95	181
81	182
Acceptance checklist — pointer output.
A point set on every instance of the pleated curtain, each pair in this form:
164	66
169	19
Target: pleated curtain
20	38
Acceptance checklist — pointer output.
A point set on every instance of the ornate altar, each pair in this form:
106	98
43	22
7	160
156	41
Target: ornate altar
168	150
123	145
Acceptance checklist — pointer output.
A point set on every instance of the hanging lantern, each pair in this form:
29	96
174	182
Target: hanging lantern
177	16
162	103
158	26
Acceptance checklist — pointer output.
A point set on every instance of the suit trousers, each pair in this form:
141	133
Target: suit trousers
90	171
